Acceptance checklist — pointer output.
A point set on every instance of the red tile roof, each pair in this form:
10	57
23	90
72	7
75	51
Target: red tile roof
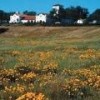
27	17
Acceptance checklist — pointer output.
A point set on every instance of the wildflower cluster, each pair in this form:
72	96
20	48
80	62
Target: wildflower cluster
29	77
40	75
89	54
31	96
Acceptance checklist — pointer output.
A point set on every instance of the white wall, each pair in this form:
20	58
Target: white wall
26	21
41	18
14	18
80	21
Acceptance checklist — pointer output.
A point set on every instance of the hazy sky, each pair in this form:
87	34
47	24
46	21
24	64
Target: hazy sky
45	5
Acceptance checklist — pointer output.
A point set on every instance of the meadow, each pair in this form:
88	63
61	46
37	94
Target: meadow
50	63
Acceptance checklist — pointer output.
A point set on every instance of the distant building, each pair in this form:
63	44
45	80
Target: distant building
15	18
94	22
80	21
27	19
41	18
20	18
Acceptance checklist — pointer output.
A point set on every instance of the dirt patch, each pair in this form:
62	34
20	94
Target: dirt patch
3	30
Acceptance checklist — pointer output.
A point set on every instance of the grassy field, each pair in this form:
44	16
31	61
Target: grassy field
50	63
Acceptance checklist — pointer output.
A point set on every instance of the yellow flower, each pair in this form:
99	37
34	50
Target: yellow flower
31	96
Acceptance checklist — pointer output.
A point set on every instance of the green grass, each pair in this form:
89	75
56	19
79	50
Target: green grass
52	42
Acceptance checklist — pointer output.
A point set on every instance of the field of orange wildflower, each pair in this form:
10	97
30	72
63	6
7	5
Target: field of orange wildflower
50	68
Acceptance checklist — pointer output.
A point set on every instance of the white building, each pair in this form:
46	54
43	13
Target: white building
80	21
15	18
93	22
41	18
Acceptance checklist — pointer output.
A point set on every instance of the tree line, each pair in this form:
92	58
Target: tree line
75	13
72	12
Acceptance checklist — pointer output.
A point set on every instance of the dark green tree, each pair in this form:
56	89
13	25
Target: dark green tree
1	16
70	13
29	12
76	13
95	15
58	16
5	16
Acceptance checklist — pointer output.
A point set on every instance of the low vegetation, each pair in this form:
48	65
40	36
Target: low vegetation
50	63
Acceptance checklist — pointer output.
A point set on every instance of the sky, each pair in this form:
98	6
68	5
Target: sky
45	5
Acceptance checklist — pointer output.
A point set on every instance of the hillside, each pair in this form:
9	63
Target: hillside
58	32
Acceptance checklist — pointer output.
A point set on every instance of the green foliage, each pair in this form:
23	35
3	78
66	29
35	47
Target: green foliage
76	12
69	13
29	12
95	15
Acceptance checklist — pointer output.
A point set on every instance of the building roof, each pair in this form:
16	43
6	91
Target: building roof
28	17
42	14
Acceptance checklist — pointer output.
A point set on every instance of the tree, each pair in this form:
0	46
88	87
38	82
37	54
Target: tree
5	16
58	16
29	12
95	15
1	16
76	13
